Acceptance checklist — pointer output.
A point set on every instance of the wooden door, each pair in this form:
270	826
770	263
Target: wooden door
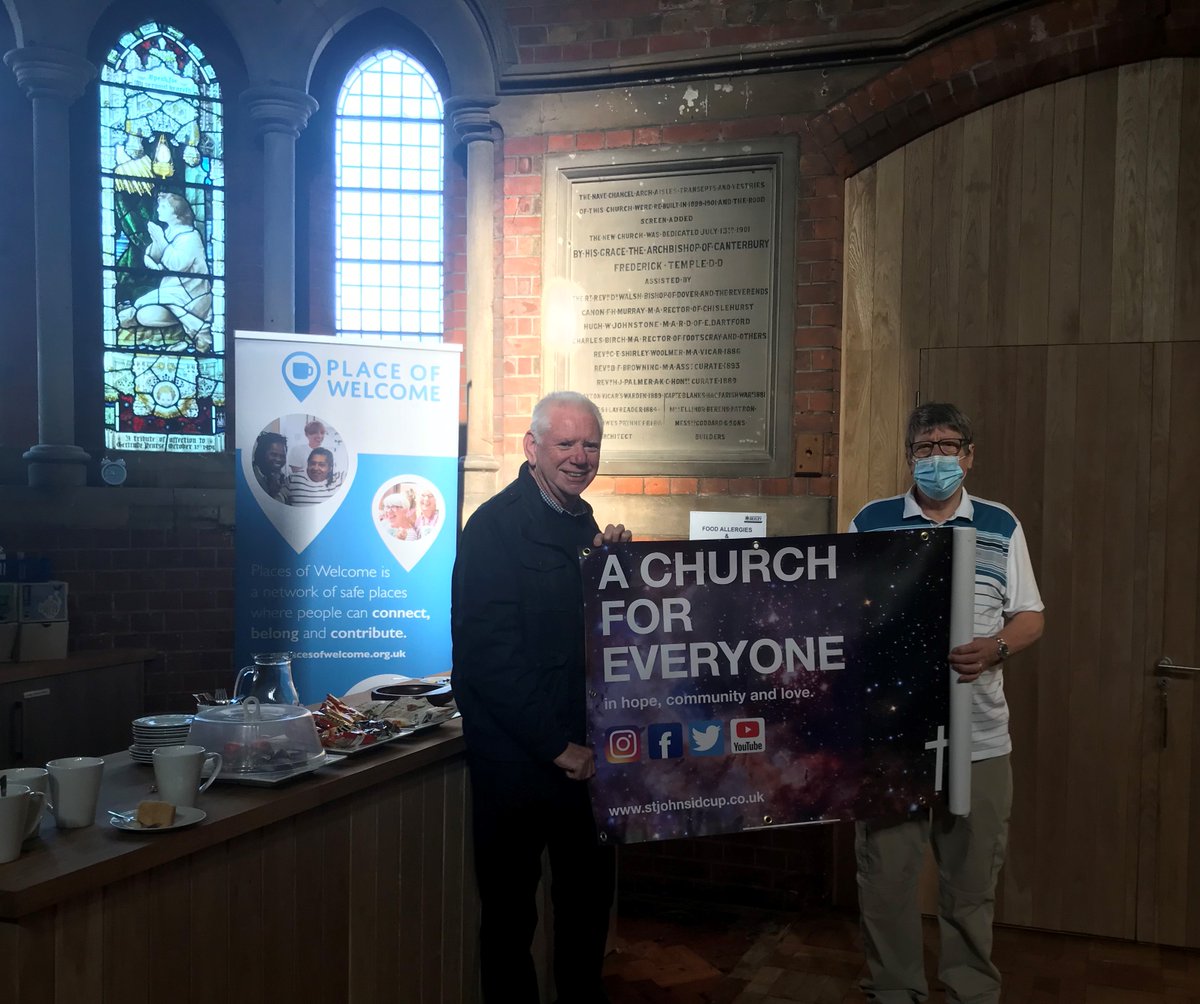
1097	450
1169	886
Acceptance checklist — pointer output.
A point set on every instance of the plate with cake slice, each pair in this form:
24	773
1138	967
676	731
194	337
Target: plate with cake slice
154	817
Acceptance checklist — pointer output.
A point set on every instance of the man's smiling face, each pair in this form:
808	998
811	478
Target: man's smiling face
564	459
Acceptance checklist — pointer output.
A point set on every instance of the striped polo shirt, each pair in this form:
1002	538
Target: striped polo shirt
1004	585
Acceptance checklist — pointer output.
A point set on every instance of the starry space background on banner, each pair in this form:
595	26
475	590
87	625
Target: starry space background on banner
849	743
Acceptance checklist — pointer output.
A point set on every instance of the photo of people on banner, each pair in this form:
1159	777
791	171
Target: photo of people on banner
741	684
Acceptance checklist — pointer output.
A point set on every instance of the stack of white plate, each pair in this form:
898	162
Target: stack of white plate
158	730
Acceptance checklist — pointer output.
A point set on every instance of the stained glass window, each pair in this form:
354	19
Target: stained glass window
389	156
162	225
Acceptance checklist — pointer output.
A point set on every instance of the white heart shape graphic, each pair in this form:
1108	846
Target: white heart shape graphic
310	506
409	513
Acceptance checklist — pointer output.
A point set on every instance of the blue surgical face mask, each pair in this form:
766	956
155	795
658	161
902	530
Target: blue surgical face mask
938	477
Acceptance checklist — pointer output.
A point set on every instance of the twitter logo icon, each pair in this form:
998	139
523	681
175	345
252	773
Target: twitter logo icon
705	739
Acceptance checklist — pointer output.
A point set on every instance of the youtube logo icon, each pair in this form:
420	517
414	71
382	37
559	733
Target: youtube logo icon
747	735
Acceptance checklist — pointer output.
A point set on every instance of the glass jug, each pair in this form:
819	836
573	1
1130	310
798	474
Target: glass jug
269	679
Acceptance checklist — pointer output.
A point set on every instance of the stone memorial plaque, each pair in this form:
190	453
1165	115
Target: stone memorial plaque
668	301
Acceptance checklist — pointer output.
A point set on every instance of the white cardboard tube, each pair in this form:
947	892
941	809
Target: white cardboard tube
962	630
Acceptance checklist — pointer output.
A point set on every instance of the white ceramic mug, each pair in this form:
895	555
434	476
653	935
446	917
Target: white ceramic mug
20	812
36	778
177	772
75	789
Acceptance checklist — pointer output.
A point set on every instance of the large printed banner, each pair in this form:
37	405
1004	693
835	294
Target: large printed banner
347	488
739	684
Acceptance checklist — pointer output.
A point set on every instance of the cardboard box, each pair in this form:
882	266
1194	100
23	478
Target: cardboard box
43	601
45	640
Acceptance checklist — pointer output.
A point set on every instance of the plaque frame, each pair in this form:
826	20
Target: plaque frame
779	156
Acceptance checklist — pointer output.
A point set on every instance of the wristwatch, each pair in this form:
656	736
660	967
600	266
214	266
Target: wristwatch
1001	649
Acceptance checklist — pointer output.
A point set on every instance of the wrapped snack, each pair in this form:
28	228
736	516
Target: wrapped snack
342	727
407	712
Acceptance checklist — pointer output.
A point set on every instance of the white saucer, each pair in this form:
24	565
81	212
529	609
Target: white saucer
165	721
185	815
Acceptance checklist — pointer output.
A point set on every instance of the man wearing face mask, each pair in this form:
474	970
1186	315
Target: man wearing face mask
969	850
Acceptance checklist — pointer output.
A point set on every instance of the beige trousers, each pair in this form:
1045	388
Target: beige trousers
969	851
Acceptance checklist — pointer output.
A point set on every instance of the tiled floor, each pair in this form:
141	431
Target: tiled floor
686	955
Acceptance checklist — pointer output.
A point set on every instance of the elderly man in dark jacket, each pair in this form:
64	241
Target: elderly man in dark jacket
519	681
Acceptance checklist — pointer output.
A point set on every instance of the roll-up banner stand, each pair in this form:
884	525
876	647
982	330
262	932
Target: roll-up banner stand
347	493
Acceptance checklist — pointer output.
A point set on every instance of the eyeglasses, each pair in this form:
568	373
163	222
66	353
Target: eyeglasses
946	447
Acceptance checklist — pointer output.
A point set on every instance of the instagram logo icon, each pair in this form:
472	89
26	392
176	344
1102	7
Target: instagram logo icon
622	745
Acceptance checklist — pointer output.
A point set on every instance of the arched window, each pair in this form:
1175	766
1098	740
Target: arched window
163	244
389	167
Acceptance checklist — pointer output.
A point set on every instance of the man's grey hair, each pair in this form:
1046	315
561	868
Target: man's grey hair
539	424
930	416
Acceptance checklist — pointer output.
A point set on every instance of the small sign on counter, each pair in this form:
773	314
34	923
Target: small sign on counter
726	525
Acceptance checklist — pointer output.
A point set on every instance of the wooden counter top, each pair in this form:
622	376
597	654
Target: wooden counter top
77	663
64	864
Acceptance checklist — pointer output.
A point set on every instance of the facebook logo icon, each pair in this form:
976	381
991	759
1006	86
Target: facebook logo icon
665	741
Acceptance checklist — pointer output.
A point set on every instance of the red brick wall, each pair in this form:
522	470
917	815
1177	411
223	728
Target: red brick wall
549	32
164	589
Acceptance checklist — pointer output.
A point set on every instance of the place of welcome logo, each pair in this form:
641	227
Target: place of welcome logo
301	371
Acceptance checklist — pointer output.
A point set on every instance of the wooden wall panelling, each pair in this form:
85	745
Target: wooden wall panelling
125	938
337	901
1176	911
1066	212
1049	728
1084	801
975	196
246	911
412	829
855	420
1037	192
1122	678
1027	454
1158	450
211	966
1099	182
167	909
885	325
432	898
1187	241
917	290
282	919
947	227
1162	199
460	918
366	872
1004	228
312	878
389	905
1129	203
79	923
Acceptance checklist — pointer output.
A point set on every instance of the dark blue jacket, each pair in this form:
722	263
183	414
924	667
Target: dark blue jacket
517	623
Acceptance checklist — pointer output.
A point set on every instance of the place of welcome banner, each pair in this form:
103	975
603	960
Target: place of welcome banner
344	558
737	684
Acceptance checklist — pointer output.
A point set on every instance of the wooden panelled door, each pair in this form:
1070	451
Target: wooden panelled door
1097	450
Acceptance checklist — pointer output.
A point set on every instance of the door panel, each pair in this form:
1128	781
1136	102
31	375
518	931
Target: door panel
1063	434
1169	900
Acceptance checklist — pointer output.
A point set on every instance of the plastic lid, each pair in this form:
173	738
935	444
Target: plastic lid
251	711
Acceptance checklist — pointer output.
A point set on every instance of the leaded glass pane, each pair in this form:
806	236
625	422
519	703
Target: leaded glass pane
162	240
389	171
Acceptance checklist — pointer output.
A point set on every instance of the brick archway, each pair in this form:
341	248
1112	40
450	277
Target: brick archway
1035	47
